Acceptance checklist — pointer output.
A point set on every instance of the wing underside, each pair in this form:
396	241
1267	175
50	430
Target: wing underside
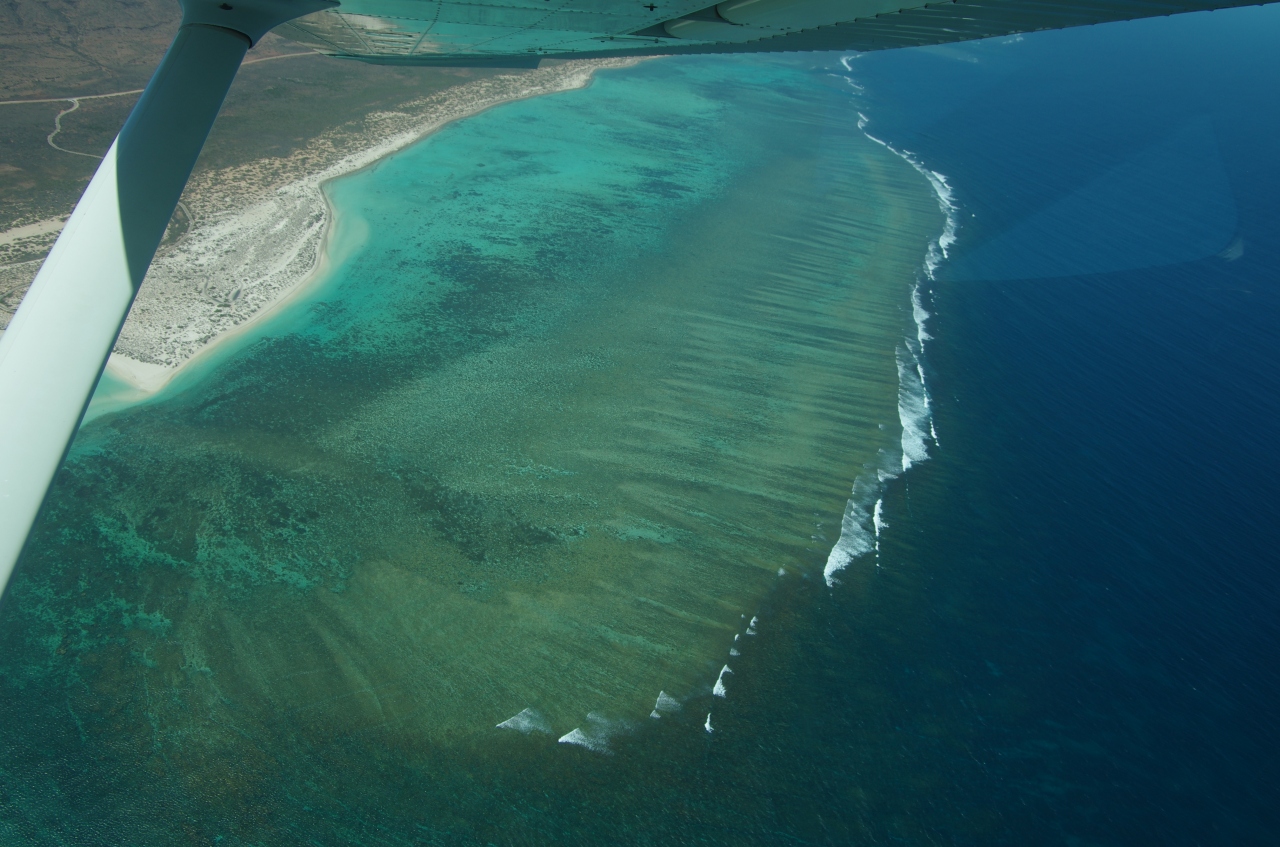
520	33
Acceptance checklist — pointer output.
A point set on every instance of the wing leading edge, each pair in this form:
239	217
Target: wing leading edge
520	33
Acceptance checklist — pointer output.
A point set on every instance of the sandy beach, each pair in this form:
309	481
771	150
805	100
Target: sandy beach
257	233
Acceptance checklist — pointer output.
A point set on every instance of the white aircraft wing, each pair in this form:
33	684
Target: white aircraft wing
518	33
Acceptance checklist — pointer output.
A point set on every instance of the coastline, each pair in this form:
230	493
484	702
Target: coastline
144	379
248	256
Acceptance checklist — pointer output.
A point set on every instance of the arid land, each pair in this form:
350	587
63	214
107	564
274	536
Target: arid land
250	228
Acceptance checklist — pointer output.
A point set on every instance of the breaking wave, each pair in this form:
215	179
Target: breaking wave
720	690
863	517
864	520
914	413
595	733
529	720
940	248
666	703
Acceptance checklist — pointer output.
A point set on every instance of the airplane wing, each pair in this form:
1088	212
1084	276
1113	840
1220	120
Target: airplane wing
519	33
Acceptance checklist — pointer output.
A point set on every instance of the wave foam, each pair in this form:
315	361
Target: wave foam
940	248
856	533
877	521
596	734
666	703
719	690
863	520
527	721
914	413
920	315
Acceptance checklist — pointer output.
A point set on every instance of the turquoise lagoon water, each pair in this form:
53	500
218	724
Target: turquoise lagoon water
467	544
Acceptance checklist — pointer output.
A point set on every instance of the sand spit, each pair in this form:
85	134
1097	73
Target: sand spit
257	231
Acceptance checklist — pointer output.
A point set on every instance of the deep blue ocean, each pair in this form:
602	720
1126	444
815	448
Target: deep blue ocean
1096	612
622	382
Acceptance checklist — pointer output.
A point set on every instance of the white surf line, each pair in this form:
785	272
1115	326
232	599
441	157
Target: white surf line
527	721
863	521
877	520
720	690
940	248
666	703
600	730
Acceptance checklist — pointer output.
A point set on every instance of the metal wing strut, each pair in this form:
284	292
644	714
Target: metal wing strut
58	341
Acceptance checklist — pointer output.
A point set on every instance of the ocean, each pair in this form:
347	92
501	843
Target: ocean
815	449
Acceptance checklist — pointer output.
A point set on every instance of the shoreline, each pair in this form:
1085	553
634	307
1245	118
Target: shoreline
201	293
148	378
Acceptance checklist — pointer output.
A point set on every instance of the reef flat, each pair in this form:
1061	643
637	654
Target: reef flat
588	378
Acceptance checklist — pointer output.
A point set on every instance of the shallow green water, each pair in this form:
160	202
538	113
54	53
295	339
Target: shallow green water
588	384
